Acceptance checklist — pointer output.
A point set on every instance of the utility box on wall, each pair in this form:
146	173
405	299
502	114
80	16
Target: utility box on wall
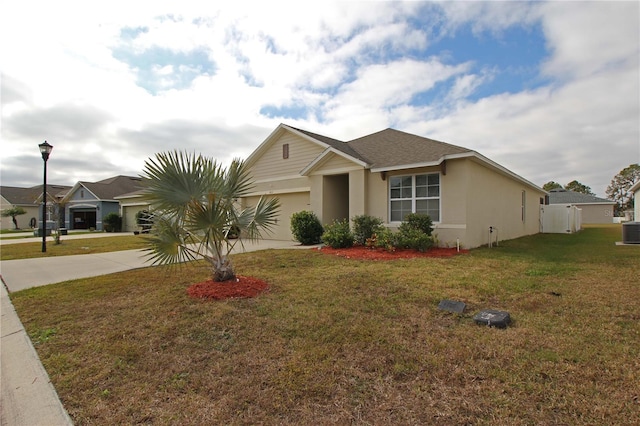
560	219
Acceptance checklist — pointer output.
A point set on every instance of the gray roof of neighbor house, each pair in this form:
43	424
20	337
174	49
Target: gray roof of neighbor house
564	196
23	196
110	188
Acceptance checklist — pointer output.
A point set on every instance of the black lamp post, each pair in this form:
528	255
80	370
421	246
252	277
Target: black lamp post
45	150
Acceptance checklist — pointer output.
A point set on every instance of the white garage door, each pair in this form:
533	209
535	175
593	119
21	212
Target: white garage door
289	204
129	217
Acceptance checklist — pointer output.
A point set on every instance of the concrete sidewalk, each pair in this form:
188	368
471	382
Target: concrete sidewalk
28	398
28	237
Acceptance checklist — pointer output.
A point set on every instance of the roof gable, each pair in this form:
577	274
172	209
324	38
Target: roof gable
110	188
337	145
390	149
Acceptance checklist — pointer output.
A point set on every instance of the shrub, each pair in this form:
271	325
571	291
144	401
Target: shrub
364	227
382	239
419	221
415	239
112	222
338	234
306	227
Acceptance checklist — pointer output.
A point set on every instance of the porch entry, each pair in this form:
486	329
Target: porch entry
335	198
83	219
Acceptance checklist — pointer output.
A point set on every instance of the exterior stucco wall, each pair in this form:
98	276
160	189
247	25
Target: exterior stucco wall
357	193
495	200
596	213
377	196
23	219
473	197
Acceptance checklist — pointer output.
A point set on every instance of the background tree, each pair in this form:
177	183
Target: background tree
551	185
576	186
195	211
13	212
618	190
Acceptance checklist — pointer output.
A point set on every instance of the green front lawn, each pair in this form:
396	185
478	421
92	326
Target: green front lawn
70	247
342	341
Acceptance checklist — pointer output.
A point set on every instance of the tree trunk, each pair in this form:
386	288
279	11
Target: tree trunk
223	270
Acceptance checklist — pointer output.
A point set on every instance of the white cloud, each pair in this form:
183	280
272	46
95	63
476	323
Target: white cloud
357	67
594	37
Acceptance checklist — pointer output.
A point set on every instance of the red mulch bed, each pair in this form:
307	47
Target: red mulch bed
241	287
360	252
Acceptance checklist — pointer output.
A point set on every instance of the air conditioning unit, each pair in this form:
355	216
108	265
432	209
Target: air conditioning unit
631	233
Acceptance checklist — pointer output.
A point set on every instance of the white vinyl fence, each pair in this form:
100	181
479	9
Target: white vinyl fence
560	219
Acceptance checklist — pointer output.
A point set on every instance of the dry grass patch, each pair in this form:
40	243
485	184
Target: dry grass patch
339	341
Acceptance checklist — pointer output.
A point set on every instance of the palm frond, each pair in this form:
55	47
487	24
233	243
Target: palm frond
262	217
169	243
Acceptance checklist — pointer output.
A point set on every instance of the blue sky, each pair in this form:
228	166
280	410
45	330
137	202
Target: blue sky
549	90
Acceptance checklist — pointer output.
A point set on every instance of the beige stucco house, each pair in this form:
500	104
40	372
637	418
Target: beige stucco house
389	174
30	199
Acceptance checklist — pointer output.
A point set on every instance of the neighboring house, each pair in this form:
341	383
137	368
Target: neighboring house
389	174
87	203
130	204
594	209
30	199
635	191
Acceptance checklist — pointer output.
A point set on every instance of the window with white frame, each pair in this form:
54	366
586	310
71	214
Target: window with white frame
414	194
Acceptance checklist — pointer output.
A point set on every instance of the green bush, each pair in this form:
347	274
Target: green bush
415	239
382	239
419	221
338	234
364	227
306	227
112	222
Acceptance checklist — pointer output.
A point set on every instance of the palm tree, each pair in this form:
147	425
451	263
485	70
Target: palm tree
196	212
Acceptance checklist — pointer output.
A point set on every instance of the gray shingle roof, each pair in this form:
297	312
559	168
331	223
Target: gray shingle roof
110	188
563	196
22	196
392	148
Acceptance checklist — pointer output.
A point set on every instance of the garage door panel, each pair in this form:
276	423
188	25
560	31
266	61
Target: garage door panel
289	204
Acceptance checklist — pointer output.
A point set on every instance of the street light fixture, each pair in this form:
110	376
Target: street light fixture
45	150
